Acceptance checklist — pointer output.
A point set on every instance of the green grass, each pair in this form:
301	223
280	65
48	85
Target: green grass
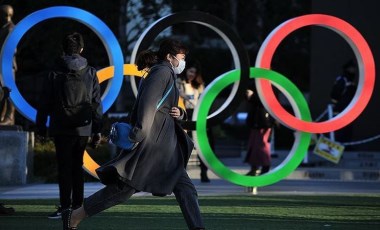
219	212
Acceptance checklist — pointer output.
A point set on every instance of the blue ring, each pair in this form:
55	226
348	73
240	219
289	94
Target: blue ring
95	24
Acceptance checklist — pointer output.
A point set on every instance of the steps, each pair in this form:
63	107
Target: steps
353	166
335	174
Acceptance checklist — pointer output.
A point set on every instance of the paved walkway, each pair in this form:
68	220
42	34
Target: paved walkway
215	187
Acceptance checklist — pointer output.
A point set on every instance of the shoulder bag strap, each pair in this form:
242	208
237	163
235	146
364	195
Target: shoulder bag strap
164	97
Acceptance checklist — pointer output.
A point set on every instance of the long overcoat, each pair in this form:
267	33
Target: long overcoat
160	158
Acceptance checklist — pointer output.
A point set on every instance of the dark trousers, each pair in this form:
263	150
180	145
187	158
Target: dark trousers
114	194
69	152
202	165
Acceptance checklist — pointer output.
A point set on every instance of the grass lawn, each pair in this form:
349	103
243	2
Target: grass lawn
219	212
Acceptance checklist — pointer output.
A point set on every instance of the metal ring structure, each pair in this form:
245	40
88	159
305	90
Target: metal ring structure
364	58
95	24
235	45
299	148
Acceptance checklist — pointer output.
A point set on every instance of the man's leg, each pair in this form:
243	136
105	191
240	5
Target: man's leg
77	172
64	146
187	199
202	165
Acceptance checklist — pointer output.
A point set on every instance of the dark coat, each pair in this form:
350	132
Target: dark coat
258	117
46	104
343	91
164	148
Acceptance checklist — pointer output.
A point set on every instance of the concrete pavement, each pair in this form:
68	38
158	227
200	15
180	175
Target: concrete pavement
215	188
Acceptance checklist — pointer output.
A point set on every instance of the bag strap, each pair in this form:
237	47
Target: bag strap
164	97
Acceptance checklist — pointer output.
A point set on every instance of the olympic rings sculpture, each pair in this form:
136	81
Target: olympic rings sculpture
262	74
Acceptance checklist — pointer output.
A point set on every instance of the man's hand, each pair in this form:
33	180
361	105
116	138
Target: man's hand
95	140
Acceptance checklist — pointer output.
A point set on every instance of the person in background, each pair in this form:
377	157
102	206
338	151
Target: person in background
70	141
7	109
161	148
145	60
191	86
260	124
342	93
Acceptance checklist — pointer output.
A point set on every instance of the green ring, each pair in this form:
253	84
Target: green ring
302	139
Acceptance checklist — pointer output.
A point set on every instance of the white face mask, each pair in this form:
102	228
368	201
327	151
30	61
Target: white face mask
181	66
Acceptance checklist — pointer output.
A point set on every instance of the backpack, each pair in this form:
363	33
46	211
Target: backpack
72	105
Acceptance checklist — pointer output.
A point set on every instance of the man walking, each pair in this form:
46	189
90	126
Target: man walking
72	99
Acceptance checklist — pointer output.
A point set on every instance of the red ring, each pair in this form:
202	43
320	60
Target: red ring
366	73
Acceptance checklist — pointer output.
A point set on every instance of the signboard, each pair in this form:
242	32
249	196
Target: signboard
328	149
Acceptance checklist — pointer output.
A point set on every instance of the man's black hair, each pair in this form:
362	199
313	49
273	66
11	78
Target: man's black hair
72	43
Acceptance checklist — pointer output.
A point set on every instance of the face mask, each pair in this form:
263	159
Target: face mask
181	66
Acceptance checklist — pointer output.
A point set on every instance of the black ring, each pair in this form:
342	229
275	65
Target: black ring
226	32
